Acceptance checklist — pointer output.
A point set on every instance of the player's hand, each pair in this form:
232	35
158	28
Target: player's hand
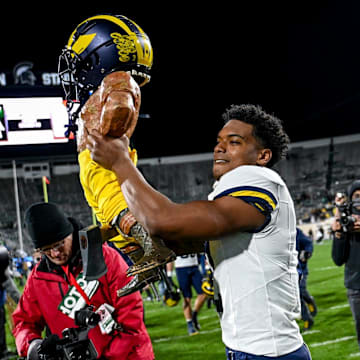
108	151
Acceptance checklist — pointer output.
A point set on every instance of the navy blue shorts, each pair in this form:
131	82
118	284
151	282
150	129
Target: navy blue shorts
188	276
301	354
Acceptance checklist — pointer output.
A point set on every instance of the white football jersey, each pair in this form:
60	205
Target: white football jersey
256	271
186	260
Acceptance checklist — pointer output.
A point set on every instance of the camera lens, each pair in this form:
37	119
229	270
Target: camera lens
86	317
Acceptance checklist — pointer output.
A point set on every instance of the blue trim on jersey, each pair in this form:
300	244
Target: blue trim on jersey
258	203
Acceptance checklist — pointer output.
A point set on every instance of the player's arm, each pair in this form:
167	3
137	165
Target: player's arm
197	220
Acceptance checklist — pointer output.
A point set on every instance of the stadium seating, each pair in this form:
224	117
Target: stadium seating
306	172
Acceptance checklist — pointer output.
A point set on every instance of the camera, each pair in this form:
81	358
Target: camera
346	219
86	318
75	344
347	210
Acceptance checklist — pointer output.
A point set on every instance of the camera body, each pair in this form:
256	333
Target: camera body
347	211
346	219
75	344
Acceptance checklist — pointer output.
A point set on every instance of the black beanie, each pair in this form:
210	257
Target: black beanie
47	224
353	187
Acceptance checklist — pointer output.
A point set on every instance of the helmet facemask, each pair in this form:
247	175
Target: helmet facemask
69	67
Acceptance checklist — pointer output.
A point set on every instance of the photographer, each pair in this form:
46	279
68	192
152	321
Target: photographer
55	289
9	297
346	246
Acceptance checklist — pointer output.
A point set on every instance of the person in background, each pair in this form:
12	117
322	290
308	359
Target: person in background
8	293
52	297
346	246
319	235
188	276
304	247
311	235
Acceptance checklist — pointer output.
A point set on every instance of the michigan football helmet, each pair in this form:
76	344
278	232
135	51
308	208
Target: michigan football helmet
207	285
172	297
99	46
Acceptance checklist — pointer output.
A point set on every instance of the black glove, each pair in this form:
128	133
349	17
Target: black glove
33	353
48	347
43	349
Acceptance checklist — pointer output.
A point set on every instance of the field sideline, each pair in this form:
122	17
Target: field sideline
331	338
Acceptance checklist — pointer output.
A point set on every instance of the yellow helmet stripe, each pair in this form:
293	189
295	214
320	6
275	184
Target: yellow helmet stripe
99	17
82	43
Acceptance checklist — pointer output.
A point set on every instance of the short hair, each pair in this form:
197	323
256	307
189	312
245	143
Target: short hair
268	129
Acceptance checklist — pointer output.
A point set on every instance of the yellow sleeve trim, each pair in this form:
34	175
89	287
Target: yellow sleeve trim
254	194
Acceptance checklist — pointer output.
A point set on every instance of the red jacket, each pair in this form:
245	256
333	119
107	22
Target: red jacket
44	291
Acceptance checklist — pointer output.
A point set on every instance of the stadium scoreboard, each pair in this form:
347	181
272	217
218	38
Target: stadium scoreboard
32	121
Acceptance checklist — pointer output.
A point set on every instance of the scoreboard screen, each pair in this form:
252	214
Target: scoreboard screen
32	120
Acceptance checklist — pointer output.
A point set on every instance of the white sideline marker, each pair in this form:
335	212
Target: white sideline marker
325	268
345	338
338	307
185	336
310	332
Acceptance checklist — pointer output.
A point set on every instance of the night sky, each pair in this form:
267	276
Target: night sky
300	62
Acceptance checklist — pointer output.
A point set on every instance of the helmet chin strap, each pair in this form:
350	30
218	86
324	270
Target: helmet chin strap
72	127
74	115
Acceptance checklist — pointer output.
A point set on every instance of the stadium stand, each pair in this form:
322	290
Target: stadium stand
314	171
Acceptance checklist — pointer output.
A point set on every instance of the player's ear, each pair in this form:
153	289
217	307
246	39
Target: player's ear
264	156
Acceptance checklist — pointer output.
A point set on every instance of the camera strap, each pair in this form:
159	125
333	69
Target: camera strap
73	282
107	324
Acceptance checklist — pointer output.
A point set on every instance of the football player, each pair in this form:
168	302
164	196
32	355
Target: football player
249	222
188	276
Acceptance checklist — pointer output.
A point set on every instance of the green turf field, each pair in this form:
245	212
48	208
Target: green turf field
331	338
